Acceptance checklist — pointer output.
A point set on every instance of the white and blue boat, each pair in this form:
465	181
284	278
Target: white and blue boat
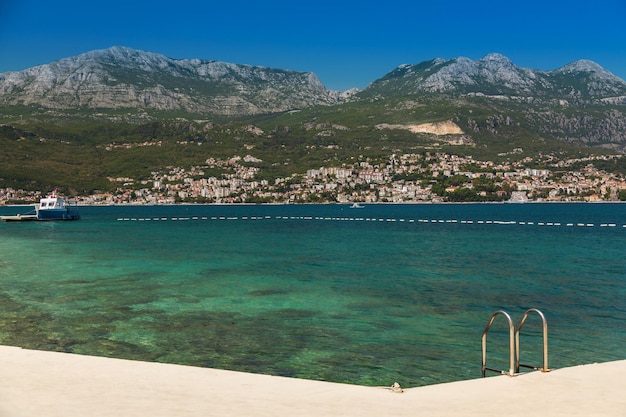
51	207
54	207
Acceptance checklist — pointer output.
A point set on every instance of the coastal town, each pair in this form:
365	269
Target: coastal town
406	178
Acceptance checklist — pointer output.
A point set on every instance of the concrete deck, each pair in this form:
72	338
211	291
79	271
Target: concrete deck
48	384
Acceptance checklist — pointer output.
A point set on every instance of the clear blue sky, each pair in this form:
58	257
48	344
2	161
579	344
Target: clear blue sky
346	43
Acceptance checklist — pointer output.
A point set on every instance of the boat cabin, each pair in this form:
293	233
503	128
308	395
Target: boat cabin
51	202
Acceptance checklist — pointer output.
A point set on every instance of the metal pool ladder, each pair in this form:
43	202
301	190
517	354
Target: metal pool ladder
514	345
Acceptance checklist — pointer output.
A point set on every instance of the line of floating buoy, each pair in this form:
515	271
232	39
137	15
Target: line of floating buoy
372	219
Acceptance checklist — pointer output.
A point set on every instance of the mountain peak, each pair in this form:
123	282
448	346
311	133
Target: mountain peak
496	58
117	50
582	65
597	81
492	74
126	57
114	53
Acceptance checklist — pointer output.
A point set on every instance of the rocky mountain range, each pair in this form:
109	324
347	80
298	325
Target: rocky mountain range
121	77
496	75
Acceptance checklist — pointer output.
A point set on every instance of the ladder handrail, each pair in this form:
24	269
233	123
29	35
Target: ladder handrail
545	339
511	343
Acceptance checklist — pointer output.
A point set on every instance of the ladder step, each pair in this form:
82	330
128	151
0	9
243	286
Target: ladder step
498	371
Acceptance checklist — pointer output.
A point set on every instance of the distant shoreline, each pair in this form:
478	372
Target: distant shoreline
415	203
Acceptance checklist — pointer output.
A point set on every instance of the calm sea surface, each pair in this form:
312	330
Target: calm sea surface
367	296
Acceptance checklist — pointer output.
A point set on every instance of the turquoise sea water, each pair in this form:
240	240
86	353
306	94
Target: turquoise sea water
367	296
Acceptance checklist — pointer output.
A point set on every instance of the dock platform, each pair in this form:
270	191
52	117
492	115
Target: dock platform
50	384
19	218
